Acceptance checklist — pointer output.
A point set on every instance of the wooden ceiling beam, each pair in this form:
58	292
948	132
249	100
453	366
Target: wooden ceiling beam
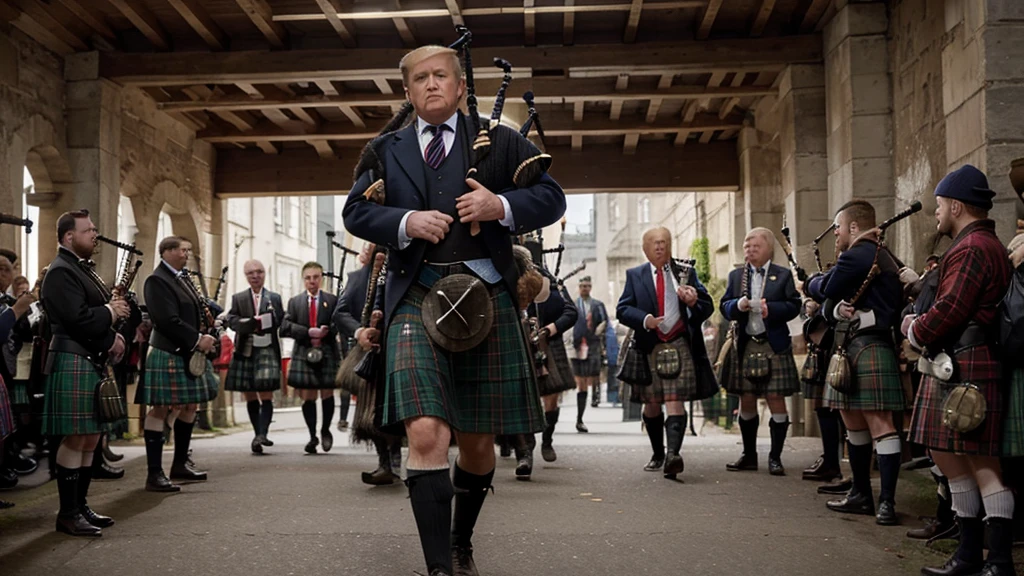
263	17
269	147
139	15
530	6
327	87
353	115
529	23
34	29
37	11
813	15
731	103
331	9
568	24
323	148
455	10
92	18
402	26
757	28
630	143
707	20
633	21
655	103
197	17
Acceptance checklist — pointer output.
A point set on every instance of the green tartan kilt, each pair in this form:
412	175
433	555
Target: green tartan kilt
19	393
784	379
260	372
6	418
305	376
490	389
559	378
1013	417
70	402
678	389
877	384
168	383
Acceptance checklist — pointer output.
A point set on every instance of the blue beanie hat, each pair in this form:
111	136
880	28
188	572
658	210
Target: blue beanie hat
968	185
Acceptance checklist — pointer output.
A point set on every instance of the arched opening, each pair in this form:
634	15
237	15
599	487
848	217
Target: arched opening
29	247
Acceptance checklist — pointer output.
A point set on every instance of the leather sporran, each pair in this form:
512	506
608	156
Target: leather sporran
109	403
963	409
197	364
839	375
315	355
810	372
369	366
634	369
666	361
757	366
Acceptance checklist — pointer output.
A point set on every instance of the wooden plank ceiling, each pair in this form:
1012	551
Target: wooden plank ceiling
314	79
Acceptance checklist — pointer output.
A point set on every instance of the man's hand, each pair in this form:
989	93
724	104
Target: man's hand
369	337
479	204
121	308
206	343
688	294
764	308
549	330
429	225
811	307
22	304
651	322
116	351
907	321
845	310
744	304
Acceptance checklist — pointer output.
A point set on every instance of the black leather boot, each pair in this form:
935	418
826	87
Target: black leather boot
69	519
547	449
967	560
524	457
675	429
155	479
1000	545
97	520
180	470
778	432
383	475
748	460
656	434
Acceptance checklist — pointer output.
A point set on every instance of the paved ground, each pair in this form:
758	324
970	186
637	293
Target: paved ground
594	511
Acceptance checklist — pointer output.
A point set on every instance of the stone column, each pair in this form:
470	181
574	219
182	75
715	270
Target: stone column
760	181
94	144
859	107
222	412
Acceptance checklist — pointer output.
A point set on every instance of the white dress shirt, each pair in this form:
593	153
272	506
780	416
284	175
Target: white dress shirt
755	322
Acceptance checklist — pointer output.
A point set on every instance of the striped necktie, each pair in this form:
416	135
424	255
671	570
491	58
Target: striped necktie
435	154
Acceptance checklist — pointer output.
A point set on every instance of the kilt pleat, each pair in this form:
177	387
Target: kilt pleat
489	389
70	402
678	389
559	378
6	417
260	372
19	393
590	367
1013	417
168	383
306	376
783	381
877	382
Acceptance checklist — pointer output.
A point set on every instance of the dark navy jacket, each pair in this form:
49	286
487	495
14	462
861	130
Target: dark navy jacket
884	295
639	298
783	305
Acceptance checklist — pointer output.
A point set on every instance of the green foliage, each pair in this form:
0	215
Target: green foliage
701	252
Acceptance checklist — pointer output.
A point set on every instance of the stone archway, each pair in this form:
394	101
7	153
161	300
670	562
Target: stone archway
167	197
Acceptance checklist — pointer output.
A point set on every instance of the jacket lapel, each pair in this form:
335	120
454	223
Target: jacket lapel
648	283
406	149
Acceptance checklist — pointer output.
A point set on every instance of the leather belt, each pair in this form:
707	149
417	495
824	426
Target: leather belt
760	338
161	342
878	334
974	335
61	343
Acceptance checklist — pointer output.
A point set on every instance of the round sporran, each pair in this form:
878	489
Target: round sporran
197	364
666	361
457	312
315	355
964	408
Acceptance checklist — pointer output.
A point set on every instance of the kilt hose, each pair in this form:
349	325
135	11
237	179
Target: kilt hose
783	380
678	389
168	383
6	418
305	376
1013	419
589	368
559	378
260	372
981	368
489	389
877	385
70	402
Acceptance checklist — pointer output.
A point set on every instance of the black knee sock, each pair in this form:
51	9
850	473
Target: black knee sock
182	440
344	401
828	423
675	430
253	407
656	433
154	450
266	415
383	451
430	493
328	408
860	465
84	480
470	492
67	489
581	405
309	415
551	418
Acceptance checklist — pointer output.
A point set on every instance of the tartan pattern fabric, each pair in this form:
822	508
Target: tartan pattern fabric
19	393
559	378
70	402
784	379
878	385
168	383
678	389
926	427
1013	418
591	366
813	391
489	389
260	372
306	376
6	418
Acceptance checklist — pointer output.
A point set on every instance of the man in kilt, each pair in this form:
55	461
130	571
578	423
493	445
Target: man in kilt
762	298
347	320
315	354
170	386
82	316
973	277
255	370
426	219
587	338
866	409
9	317
666	320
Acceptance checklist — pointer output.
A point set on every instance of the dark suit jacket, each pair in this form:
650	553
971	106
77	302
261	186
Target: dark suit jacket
598	314
348	314
783	305
639	298
76	306
295	324
405	185
173	309
241	319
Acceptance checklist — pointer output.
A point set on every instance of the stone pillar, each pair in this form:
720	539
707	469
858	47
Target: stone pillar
222	411
94	144
859	107
760	181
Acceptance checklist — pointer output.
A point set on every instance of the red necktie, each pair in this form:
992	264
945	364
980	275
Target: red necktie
660	289
312	312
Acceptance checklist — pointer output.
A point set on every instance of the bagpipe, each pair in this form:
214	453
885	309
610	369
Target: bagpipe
787	247
193	282
15	221
330	273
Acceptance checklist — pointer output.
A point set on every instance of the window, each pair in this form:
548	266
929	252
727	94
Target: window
643	211
306	221
279	214
615	216
293	217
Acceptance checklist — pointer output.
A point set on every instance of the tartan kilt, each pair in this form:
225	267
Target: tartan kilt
784	379
678	389
19	393
489	389
815	391
168	383
559	378
6	418
305	376
260	372
590	367
70	401
877	382
1013	418
927	429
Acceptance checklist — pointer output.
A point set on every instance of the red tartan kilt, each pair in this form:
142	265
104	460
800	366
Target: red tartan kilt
927	429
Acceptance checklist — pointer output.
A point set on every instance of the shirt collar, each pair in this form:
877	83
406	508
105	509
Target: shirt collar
314	296
763	268
171	268
452	123
72	254
253	292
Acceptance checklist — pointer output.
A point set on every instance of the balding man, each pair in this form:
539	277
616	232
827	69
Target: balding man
761	298
255	370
